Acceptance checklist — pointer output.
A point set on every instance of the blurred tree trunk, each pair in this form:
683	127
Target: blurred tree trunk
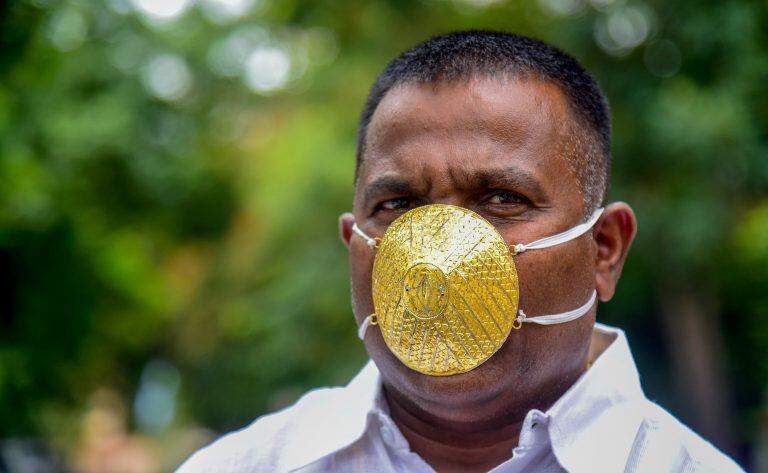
694	340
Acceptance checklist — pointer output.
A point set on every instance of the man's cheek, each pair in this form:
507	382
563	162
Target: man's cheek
361	267
537	281
547	280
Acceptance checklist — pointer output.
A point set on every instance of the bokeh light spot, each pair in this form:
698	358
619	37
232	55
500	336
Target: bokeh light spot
162	10
563	7
68	30
155	402
167	77
226	57
267	69
623	29
220	11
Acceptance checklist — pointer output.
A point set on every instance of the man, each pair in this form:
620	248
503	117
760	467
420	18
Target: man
478	244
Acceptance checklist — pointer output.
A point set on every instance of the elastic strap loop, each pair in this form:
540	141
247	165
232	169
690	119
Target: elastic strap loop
567	235
372	242
560	318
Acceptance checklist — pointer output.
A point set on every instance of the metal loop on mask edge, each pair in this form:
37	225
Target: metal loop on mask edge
518	322
373	243
367	322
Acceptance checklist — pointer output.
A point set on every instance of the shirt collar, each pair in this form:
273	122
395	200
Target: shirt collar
324	430
601	405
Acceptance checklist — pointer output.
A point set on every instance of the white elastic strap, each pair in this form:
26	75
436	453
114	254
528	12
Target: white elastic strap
567	235
363	327
370	241
541	319
561	318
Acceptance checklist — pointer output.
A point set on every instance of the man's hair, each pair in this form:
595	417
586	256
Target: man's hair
468	54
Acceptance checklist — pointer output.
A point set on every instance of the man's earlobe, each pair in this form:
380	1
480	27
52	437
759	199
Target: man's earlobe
346	220
614	234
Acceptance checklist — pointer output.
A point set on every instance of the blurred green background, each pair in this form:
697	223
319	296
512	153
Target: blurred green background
171	172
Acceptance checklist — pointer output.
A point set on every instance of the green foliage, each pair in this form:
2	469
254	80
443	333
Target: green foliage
158	202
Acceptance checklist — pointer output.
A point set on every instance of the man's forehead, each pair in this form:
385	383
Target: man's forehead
471	124
506	107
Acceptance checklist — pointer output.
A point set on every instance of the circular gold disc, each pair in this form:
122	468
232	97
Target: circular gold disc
445	289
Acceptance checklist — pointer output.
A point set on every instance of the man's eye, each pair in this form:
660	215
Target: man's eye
506	198
396	204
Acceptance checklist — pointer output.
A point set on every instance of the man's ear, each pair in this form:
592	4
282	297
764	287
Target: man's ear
346	220
614	233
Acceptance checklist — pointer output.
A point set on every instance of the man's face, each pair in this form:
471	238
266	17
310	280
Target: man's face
494	146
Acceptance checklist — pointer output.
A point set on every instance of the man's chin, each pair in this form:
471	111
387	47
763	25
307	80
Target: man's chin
454	391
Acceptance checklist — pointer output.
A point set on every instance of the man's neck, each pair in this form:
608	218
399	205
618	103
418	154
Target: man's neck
453	449
448	445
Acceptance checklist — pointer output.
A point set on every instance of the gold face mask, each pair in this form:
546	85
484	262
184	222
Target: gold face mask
445	288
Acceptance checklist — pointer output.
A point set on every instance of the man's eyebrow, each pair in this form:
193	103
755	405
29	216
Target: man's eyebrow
513	178
386	185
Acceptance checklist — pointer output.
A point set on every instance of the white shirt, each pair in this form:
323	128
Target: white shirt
603	423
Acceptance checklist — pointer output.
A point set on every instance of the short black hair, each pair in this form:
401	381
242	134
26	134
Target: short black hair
467	54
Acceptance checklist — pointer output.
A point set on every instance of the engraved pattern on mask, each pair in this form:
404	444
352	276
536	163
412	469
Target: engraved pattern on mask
445	289
425	291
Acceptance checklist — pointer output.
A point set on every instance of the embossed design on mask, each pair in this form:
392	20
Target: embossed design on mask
425	288
444	289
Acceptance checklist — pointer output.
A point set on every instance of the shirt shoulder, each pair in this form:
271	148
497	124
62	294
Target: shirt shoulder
265	444
664	444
